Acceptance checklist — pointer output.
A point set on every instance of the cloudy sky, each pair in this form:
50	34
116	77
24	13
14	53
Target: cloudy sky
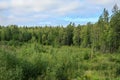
52	12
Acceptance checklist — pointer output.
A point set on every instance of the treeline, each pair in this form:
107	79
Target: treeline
104	35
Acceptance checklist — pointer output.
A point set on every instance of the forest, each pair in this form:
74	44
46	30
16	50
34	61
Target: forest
74	52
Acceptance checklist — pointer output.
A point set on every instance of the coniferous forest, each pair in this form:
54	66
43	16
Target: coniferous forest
72	52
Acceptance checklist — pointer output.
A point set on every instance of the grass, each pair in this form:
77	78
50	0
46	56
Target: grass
37	62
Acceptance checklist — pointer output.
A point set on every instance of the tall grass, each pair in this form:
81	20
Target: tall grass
37	62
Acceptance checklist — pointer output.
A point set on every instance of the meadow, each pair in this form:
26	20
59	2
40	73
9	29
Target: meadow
33	61
90	51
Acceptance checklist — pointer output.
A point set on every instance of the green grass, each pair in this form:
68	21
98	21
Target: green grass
37	62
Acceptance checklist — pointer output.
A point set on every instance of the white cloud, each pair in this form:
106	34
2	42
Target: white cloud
64	8
51	6
3	5
102	3
32	5
18	11
59	6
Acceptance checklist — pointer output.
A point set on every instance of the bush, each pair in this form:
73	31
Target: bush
10	74
118	70
61	73
87	56
9	69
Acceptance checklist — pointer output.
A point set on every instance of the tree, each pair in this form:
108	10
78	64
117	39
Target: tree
115	27
105	15
14	32
6	34
115	9
76	36
102	32
69	32
85	35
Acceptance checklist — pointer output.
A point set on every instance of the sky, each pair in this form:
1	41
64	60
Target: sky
52	12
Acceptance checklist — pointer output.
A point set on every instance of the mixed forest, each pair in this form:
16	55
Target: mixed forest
74	52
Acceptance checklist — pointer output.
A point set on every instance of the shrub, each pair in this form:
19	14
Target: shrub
9	69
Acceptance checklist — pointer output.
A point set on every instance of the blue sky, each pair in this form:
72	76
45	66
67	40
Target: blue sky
52	12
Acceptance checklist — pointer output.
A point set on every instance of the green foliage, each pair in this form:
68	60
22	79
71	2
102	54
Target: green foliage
115	26
9	69
102	36
87	56
86	36
76	36
62	53
33	61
